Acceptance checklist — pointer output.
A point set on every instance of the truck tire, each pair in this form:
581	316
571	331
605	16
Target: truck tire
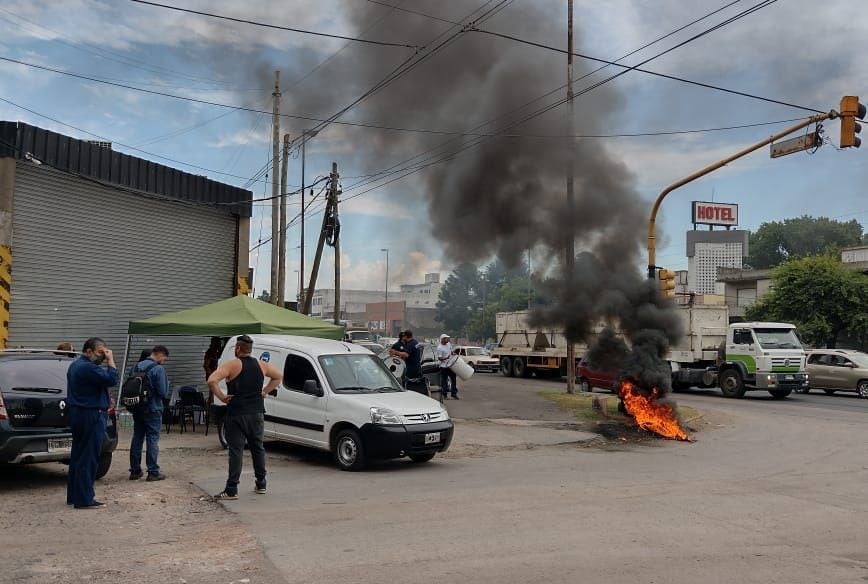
731	384
519	367
506	366
780	393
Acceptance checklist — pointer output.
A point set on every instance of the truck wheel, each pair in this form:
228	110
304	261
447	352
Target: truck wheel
780	393
506	366
519	367
349	451
731	383
105	462
585	385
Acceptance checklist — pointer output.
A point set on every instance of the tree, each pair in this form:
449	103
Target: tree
778	241
460	297
820	296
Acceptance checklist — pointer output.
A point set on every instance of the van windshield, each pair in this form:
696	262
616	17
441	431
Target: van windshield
356	373
777	338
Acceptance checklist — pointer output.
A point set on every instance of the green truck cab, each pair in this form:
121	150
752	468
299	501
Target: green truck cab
762	356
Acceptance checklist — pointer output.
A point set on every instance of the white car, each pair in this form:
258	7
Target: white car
477	358
337	396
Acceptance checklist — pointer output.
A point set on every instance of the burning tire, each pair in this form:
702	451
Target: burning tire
731	384
780	393
506	366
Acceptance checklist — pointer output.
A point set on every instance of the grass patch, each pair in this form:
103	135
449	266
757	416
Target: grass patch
581	406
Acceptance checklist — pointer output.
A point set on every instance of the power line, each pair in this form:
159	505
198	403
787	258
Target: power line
655	73
277	27
442	158
106	139
397	7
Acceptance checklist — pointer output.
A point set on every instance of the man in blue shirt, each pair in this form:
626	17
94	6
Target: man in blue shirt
87	394
149	417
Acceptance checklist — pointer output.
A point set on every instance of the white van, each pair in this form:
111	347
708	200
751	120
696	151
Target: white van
339	397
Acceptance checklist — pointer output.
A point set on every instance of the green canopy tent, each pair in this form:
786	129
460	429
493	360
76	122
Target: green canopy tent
235	316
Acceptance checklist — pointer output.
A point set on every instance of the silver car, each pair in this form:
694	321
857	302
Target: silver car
838	370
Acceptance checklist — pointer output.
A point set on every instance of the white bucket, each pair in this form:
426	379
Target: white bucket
461	369
395	365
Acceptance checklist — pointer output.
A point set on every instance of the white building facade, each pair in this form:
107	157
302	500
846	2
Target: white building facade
709	250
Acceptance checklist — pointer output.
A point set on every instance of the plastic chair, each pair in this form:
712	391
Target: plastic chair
190	403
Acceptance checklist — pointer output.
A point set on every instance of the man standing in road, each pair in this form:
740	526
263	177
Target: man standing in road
87	389
245	411
444	355
407	348
148	418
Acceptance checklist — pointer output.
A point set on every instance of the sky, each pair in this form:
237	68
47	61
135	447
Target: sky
802	52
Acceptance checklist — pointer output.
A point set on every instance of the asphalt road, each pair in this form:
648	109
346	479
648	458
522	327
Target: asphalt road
772	491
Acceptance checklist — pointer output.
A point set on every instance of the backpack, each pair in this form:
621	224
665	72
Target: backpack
136	391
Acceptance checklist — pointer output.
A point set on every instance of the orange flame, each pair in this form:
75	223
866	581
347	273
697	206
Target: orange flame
651	415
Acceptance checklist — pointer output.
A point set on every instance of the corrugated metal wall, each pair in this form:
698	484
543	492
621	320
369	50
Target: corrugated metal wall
87	259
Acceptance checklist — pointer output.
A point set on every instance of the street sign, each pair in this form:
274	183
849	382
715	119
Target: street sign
797	144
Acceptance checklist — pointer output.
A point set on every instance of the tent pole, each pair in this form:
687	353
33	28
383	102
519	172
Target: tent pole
121	374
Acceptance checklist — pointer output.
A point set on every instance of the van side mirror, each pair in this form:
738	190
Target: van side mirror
311	387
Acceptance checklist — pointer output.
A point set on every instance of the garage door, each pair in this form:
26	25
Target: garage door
88	258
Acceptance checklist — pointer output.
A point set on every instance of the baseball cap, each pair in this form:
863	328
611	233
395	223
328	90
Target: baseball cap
444	336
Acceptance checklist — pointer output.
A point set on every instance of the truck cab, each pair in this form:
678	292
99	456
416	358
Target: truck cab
762	356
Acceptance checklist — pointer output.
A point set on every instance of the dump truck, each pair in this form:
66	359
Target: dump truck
712	353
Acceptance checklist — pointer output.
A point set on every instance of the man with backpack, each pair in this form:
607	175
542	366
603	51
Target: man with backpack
149	382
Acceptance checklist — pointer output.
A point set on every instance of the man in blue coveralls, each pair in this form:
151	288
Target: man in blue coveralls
148	418
87	388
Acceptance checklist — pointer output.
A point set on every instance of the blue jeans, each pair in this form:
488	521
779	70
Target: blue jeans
88	433
146	425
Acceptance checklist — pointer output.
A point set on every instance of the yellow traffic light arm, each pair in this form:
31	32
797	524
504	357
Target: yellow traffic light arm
652	251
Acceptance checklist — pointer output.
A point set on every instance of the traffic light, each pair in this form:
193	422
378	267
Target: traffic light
667	282
850	110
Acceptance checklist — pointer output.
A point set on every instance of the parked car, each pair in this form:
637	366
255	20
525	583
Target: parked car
589	379
375	348
338	397
477	358
34	420
838	370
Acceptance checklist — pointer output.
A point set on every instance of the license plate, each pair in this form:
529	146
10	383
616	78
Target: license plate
432	438
60	445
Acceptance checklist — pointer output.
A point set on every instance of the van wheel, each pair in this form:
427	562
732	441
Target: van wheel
731	383
506	367
349	452
105	462
780	393
519	367
221	434
420	458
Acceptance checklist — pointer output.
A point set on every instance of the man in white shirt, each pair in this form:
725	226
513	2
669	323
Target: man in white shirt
444	355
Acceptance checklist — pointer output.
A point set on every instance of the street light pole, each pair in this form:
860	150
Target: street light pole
386	303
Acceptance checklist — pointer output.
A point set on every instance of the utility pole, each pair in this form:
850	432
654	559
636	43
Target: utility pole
571	215
281	274
275	203
387	331
337	242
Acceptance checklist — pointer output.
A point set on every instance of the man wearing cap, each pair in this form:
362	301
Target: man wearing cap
444	355
245	411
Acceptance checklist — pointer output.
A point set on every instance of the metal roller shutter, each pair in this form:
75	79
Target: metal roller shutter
88	258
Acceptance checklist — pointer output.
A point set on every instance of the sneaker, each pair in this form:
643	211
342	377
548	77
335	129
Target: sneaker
134	476
156	477
94	505
260	489
225	496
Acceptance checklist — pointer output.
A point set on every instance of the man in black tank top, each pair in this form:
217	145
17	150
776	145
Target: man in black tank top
245	411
